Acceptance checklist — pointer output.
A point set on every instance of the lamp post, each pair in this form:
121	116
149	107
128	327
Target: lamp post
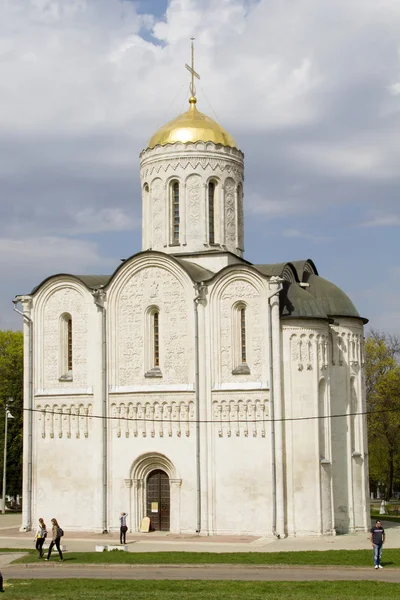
7	415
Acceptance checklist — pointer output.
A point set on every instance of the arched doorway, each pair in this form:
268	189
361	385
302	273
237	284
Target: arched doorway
158	503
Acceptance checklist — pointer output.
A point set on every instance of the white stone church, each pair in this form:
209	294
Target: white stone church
191	386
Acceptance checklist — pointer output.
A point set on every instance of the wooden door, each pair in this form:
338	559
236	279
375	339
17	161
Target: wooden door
158	500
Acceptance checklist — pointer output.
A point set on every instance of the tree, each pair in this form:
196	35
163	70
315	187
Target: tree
383	403
11	386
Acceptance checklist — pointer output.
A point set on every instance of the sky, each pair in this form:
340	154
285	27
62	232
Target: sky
310	90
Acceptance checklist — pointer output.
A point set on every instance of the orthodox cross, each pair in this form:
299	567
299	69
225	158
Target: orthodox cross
192	71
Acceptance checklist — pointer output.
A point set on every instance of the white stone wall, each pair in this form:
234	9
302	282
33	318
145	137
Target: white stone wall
349	444
309	488
193	166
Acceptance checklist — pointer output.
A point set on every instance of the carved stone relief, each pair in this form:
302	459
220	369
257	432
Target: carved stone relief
64	420
152	286
155	418
158	213
237	291
195	208
230	221
64	300
242	417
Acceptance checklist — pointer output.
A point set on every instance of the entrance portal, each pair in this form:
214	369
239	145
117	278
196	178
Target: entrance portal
158	500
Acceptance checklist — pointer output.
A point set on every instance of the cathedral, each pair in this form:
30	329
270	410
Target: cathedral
190	386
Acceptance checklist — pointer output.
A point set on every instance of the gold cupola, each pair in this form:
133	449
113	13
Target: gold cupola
191	126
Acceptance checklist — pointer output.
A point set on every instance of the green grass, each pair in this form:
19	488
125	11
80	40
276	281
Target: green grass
358	558
65	589
376	516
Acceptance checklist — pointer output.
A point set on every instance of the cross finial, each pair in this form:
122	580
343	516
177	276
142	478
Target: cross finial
191	70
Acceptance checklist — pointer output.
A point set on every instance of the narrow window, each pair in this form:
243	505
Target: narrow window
156	340
211	215
239	346
69	344
175	212
65	352
243	334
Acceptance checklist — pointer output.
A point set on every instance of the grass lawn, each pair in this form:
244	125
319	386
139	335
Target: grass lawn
359	558
65	589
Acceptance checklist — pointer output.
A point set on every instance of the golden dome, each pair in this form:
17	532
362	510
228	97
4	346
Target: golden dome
192	126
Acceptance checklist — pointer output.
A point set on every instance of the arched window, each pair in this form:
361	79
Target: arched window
152	346
175	211
66	348
156	339
69	344
211	212
239	337
243	334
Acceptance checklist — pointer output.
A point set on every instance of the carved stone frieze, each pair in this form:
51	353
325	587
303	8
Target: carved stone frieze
240	417
153	418
64	420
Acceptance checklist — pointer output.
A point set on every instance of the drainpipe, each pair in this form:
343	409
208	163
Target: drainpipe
197	299
277	281
28	321
98	297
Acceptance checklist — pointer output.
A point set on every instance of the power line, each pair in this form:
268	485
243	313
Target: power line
205	421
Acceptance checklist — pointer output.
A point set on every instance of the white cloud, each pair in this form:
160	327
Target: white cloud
310	89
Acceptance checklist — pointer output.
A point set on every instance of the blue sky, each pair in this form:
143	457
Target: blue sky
309	90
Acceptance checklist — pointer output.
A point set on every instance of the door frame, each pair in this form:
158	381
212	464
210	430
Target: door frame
136	484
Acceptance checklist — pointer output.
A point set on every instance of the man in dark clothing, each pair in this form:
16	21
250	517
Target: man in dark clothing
377	537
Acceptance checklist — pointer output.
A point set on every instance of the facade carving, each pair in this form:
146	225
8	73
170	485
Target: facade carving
241	417
234	292
195	208
156	418
192	166
64	420
152	286
65	299
230	213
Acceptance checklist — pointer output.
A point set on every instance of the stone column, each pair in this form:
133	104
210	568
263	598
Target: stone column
175	505
128	485
138	504
27	476
278	411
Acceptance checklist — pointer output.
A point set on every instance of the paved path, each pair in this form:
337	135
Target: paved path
199	572
83	541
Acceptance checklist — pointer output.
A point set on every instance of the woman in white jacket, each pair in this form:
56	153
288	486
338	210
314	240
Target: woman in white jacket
41	534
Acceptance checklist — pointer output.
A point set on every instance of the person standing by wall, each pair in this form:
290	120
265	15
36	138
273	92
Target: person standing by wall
41	534
123	528
377	537
57	532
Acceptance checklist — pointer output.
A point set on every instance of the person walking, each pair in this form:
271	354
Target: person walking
56	532
377	537
41	534
123	528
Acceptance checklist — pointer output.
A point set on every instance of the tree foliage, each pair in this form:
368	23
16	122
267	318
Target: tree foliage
11	386
382	381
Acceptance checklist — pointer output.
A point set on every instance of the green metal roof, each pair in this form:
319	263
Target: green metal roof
331	298
296	302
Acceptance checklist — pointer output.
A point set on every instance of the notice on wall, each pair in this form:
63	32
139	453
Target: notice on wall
154	507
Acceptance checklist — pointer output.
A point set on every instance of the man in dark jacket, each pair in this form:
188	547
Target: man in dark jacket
377	537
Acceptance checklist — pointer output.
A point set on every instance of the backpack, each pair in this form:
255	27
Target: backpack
60	532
